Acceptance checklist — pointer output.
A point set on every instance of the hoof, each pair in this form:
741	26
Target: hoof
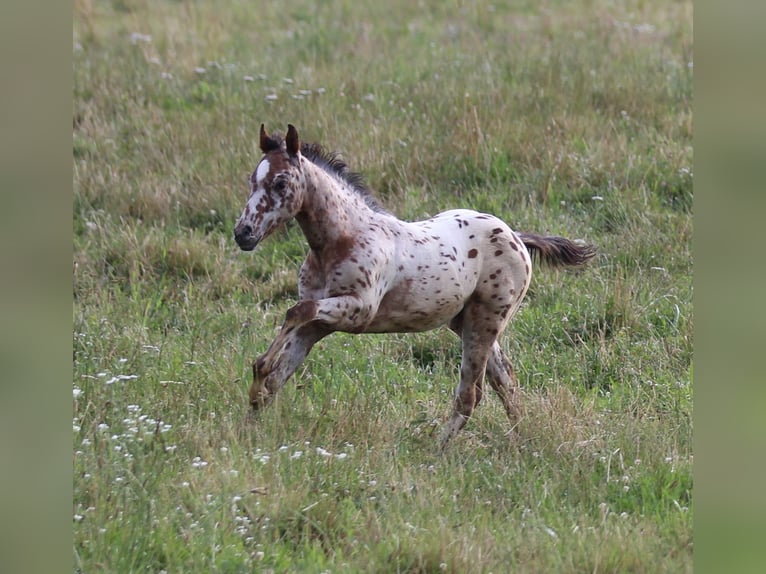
259	397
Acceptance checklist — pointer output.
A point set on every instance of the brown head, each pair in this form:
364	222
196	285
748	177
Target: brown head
276	189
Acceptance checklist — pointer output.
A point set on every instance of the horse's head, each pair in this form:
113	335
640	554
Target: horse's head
276	189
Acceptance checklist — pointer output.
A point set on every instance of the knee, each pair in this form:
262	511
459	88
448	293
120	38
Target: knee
301	313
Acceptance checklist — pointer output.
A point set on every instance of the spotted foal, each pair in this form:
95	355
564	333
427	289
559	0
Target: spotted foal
369	272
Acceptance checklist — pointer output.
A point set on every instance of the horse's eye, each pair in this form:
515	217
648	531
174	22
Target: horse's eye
279	185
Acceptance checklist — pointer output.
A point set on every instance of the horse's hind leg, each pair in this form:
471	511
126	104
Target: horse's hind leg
477	348
501	375
456	326
503	381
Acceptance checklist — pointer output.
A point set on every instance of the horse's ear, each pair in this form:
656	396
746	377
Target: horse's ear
267	142
264	139
292	141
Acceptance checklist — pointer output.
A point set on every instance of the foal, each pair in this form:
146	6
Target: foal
369	272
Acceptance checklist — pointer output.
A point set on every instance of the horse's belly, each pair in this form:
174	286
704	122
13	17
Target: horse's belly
408	309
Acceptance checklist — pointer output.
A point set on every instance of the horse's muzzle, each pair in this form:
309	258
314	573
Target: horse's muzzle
245	238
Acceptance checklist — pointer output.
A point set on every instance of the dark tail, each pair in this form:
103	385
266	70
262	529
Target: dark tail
557	251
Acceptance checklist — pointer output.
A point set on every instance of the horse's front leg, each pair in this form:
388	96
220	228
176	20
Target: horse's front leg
272	369
305	324
286	352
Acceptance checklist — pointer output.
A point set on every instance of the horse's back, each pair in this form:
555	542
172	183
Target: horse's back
482	235
445	261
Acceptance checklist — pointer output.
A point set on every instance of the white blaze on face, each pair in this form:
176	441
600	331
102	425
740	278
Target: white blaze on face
262	171
263	208
249	216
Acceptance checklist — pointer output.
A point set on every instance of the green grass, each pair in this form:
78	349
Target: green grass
571	118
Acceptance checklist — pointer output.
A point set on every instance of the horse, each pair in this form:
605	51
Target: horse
367	271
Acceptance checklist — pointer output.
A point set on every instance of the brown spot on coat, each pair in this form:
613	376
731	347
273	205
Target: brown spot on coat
341	249
393	299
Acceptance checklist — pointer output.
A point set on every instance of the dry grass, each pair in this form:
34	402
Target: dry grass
573	119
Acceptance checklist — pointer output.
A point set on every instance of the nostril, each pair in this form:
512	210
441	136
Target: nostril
243	231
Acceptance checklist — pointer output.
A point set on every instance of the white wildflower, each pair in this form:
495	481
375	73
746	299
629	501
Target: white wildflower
550	532
120	378
644	28
137	37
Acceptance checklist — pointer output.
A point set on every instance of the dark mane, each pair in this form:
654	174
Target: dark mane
332	163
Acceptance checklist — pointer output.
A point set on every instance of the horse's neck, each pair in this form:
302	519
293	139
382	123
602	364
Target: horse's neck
331	210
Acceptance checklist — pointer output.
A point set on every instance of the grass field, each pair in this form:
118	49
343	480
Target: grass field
570	118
